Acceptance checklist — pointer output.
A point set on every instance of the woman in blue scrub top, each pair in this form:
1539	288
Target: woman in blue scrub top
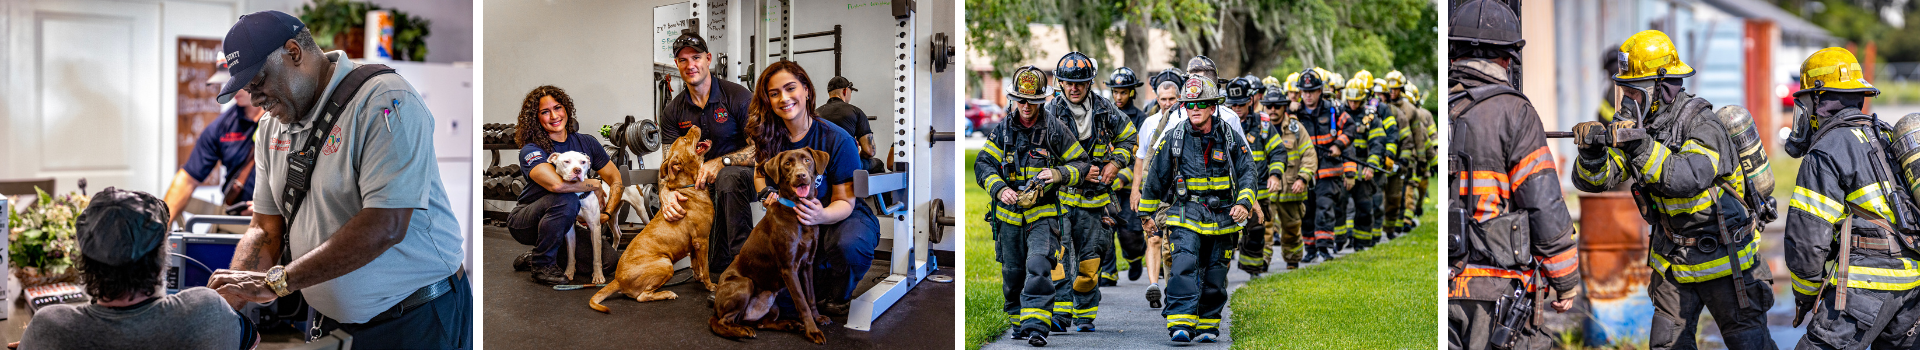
781	118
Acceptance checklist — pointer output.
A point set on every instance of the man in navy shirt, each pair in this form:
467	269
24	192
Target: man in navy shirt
719	108
840	110
228	142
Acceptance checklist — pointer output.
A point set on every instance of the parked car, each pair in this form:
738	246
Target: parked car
983	115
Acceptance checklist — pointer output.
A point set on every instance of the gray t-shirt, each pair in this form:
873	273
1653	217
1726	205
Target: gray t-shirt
194	319
1150	131
378	155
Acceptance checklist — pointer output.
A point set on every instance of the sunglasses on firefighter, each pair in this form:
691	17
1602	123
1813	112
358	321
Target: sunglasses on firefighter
1199	104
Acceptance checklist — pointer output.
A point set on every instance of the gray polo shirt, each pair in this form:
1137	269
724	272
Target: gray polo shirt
194	319
378	155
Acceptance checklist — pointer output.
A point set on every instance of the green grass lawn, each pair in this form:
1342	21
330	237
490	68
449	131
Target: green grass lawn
985	320
1382	299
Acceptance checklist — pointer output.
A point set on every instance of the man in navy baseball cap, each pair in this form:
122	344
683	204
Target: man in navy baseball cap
272	55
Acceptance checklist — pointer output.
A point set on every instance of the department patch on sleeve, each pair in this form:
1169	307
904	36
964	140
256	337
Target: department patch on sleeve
532	157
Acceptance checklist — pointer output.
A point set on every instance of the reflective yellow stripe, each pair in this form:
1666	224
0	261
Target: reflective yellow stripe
1063	307
994	151
1209	183
1074	152
1290	197
1149	205
1094	201
993	180
1599	177
1181	320
1678	206
1694	147
1245	195
1803	286
1208	323
1036	313
1204	228
1873	197
1706	271
1813	203
1657	159
1883	278
1036	213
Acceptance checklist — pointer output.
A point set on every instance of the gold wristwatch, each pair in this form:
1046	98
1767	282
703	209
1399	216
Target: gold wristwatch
277	280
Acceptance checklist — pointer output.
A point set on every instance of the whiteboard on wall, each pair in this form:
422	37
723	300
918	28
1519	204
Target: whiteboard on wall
668	20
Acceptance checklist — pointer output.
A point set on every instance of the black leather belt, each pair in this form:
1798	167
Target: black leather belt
419	297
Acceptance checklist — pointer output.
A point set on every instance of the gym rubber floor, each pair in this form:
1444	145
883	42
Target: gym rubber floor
521	314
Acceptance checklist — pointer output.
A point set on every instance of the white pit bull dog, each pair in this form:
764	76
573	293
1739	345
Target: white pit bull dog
573	168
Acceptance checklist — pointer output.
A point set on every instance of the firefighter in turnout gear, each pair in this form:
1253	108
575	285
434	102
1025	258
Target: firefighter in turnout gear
1023	164
1510	239
1681	163
1329	198
1289	175
1256	243
1126	230
1108	137
1846	179
1413	123
1203	176
1372	129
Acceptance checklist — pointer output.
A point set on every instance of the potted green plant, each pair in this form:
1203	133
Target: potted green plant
43	247
341	25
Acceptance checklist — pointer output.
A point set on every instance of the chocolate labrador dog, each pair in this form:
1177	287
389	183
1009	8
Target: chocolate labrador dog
648	262
777	256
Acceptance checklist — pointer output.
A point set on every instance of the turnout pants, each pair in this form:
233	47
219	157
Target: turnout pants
1127	236
1026	254
1677	306
1395	192
1256	240
1286	224
1470	325
1330	214
1875	319
1076	296
1366	213
1197	282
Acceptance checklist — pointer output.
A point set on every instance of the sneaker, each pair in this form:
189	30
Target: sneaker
549	275
1153	296
1206	338
523	263
1059	325
1291	266
1180	335
1017	333
1104	282
1037	339
1083	327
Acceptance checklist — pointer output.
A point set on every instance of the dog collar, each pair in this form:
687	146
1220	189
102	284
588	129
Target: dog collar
787	202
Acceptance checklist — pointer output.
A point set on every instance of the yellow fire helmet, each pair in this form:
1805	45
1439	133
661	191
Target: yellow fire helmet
1650	55
1833	69
1395	79
1365	75
1356	89
1293	81
1333	78
1270	80
1413	94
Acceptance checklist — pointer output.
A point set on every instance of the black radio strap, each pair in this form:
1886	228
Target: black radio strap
300	164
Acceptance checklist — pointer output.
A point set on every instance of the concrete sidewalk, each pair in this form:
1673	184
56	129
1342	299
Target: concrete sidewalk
1127	323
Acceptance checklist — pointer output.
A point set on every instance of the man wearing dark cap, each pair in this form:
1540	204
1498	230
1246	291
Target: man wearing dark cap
840	110
349	211
123	254
719	108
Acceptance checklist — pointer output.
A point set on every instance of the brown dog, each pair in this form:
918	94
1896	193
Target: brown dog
777	256
648	261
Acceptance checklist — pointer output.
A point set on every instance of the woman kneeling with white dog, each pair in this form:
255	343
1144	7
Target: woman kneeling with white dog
550	207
